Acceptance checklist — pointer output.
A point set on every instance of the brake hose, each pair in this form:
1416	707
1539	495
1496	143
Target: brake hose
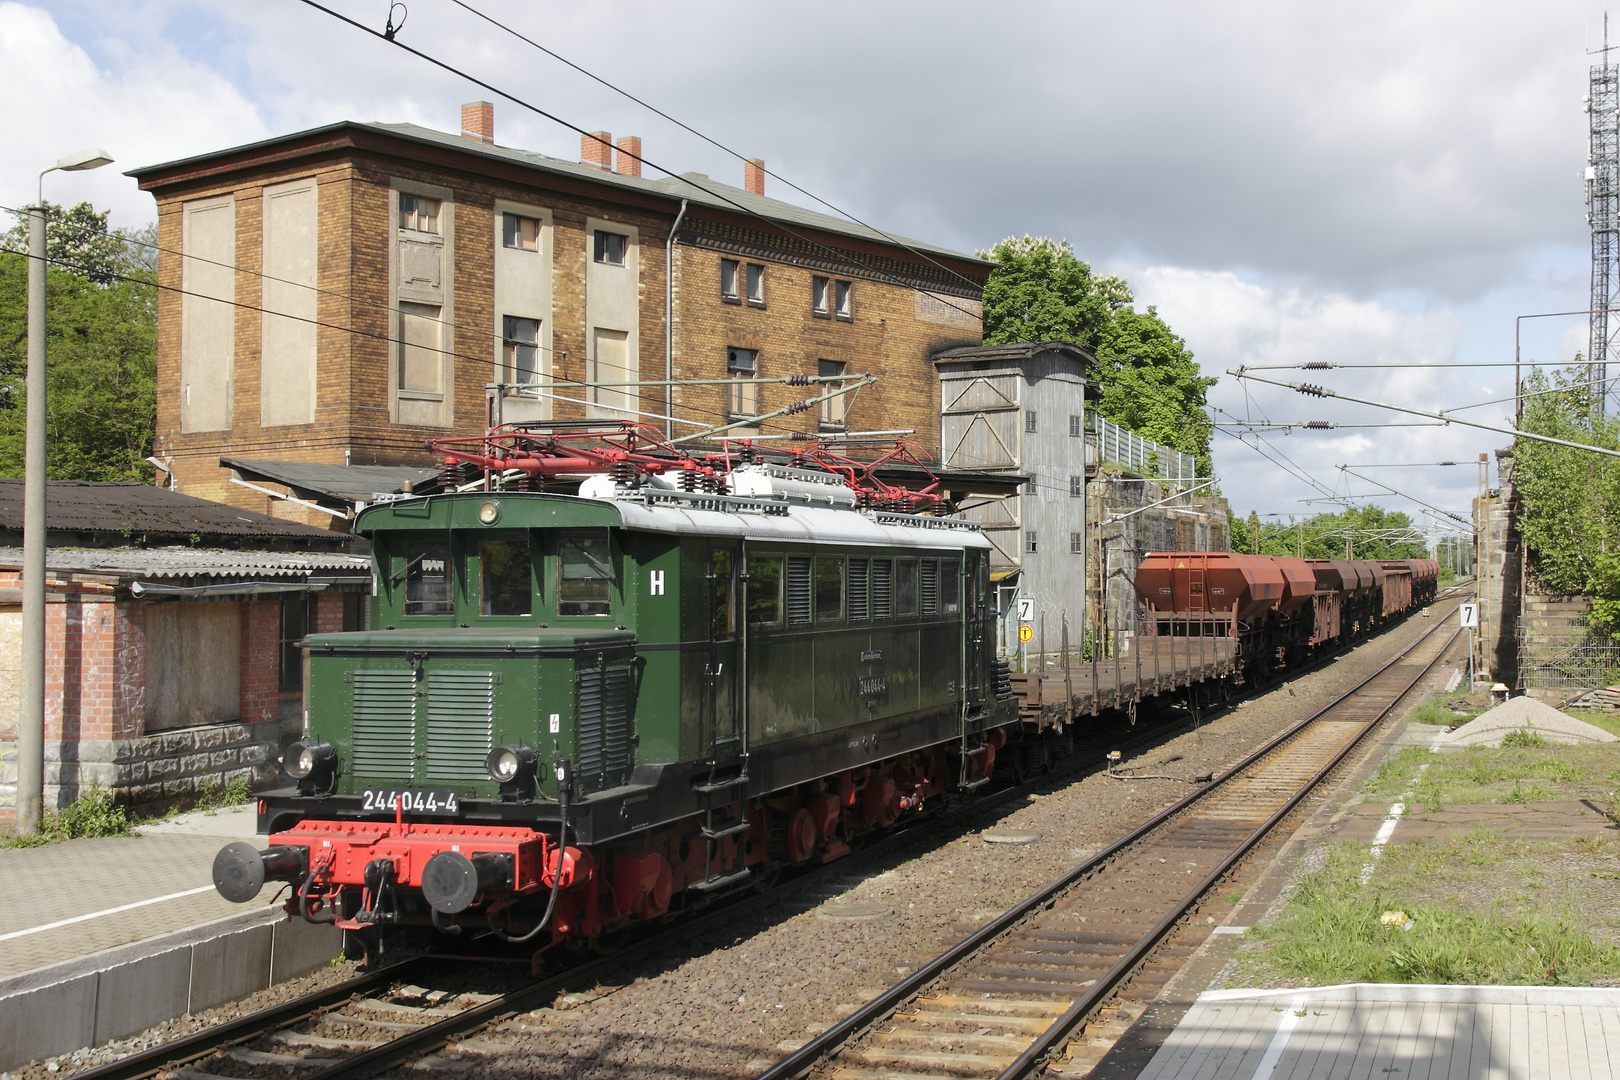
556	881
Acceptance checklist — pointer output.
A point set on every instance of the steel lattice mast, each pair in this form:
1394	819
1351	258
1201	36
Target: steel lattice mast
1603	214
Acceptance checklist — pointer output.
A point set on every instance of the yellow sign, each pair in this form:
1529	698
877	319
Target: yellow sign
1026	633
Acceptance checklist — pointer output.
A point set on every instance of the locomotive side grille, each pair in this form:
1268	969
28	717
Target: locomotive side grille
384	724
604	716
928	587
882	587
460	721
857	589
798	590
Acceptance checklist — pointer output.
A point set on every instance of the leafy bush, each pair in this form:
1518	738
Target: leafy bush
92	814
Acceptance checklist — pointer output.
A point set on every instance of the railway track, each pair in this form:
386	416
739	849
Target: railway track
1006	999
380	1019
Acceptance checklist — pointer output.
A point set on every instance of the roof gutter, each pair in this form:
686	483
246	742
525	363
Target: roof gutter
669	325
157	590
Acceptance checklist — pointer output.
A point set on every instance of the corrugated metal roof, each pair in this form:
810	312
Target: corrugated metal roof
339	483
676	187
130	507
195	562
1019	350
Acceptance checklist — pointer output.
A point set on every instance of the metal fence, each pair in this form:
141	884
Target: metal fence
1567	657
1118	446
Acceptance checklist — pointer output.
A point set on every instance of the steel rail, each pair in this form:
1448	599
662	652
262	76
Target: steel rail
149	1062
807	1056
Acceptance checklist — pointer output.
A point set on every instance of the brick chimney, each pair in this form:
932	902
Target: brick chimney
597	149
628	160
478	121
754	176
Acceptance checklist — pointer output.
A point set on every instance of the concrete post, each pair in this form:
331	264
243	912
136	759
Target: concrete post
31	705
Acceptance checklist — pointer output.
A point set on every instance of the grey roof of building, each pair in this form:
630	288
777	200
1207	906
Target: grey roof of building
339	483
196	562
1019	350
711	193
130	507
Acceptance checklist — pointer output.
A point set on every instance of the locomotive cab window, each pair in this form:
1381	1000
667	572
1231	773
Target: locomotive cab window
584	574
427	572
764	590
950	587
505	577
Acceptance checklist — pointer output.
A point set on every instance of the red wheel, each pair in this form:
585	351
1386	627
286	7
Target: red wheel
801	835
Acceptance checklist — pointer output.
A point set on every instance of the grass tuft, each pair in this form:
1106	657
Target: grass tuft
1524	739
1331	932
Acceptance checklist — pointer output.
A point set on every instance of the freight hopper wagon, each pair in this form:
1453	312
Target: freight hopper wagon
577	713
1281	610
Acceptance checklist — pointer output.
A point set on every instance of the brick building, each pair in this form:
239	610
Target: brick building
169	669
340	295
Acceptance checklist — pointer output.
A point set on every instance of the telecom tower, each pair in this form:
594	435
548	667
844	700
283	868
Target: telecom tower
1603	214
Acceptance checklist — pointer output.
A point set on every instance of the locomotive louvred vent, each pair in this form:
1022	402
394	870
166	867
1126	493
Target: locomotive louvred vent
857	590
928	587
460	720
882	587
384	724
604	715
798	590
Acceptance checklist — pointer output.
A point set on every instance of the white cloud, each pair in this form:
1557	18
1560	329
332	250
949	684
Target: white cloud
155	106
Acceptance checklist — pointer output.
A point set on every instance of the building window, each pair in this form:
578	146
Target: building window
756	284
1029	421
833	410
1077	487
522	338
843	309
728	280
1077	543
295	623
1077	426
1030	544
421	353
820	297
611	247
520	232
742	368
418	213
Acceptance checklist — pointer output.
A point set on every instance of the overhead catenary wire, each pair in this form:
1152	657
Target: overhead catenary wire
898	242
842	254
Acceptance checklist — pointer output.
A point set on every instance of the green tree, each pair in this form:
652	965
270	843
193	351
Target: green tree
1151	384
101	347
1040	291
1377	534
1570	497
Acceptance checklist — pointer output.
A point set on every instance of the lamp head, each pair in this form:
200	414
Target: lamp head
84	159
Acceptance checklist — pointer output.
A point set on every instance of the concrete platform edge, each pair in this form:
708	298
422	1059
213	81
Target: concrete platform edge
1447	993
116	992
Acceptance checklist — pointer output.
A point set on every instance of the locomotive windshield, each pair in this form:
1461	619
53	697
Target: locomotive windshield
505	577
427	578
584	574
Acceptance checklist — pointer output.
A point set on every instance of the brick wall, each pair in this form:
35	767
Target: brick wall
892	333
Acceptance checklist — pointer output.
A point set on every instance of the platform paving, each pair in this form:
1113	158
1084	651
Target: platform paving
67	900
1372	1031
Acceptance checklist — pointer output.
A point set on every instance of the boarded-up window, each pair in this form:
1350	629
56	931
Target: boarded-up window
611	364
287	374
421	359
193	664
207	314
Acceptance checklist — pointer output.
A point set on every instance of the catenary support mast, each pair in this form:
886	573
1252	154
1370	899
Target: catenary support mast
1603	214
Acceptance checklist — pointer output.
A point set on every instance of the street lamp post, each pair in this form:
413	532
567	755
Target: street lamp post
31	711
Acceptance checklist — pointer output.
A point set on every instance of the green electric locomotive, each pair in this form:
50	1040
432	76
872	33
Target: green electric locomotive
576	712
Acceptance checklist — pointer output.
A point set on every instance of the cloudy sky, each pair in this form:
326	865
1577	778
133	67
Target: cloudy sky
1381	182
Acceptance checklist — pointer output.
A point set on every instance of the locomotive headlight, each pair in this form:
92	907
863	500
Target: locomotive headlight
489	513
509	764
306	758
